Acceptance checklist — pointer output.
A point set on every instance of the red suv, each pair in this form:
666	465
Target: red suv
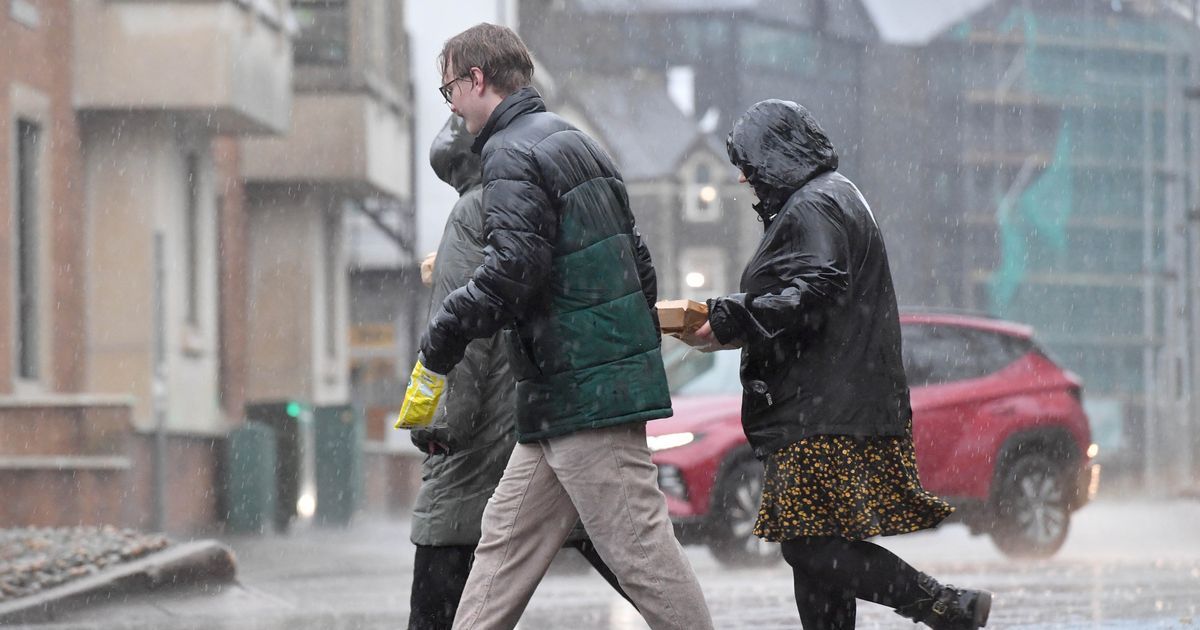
999	429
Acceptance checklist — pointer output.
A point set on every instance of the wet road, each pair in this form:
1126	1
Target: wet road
1125	565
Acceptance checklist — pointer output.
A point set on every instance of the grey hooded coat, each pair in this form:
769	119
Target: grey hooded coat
478	408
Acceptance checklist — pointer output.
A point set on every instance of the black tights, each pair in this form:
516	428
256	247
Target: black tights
830	573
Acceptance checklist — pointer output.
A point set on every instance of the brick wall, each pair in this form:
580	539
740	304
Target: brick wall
232	282
64	463
38	59
192	483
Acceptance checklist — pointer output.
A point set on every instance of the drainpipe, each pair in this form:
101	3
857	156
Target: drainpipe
159	387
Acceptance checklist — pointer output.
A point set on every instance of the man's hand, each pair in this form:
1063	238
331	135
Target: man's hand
421	399
433	440
427	269
704	340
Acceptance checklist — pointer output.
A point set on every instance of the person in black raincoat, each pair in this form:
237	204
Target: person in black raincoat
826	402
473	431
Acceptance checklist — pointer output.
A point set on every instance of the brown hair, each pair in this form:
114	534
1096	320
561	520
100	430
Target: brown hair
496	50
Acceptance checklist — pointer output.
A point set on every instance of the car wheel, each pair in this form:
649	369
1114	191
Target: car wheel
1032	508
732	540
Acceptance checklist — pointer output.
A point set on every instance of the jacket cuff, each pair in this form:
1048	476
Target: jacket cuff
722	321
437	358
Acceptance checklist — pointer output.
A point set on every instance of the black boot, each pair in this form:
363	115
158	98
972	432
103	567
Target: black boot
948	608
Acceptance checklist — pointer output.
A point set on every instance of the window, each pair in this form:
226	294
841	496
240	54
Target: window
332	250
223	272
778	48
26	233
940	354
703	203
702	272
191	238
379	39
324	34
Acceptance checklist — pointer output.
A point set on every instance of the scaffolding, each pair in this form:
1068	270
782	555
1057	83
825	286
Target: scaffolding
1080	157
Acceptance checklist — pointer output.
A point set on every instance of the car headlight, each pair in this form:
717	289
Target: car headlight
669	440
670	481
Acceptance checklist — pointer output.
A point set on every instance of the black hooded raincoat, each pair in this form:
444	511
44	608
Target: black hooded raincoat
817	313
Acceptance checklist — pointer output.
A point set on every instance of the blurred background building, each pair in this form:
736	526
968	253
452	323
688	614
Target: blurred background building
210	211
1036	161
175	314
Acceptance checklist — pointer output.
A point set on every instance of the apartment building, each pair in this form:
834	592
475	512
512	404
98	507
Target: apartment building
172	257
346	156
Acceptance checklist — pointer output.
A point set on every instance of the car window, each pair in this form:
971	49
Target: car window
931	354
706	374
941	354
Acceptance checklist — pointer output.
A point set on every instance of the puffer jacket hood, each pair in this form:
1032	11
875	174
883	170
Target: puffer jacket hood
451	156
779	147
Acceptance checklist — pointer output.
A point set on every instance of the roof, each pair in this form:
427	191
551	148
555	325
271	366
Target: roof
966	320
917	22
637	121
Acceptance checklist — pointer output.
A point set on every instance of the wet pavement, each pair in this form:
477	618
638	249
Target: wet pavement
1125	565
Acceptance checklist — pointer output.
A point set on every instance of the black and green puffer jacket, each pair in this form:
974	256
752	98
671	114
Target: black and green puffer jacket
566	274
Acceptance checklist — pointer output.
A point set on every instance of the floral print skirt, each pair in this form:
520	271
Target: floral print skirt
845	486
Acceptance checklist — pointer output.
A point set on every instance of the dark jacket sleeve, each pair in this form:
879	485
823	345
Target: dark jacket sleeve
805	264
459	254
646	274
521	226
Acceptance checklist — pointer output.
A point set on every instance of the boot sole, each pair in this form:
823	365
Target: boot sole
983	607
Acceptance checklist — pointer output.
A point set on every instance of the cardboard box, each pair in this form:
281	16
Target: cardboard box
676	317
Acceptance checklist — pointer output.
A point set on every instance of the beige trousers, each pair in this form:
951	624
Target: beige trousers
604	478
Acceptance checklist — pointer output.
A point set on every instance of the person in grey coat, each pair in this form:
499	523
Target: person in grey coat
472	434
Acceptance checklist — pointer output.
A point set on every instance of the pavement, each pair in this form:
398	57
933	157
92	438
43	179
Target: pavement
1126	565
191	564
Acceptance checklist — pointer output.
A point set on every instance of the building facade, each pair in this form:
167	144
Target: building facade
173	260
346	159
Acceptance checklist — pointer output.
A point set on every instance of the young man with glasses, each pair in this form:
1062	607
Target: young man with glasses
571	283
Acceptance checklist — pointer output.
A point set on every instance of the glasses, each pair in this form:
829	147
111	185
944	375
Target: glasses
447	89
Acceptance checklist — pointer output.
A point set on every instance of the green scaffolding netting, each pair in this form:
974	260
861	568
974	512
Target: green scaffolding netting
1038	215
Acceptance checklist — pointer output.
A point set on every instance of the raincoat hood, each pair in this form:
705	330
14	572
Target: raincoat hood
779	147
452	158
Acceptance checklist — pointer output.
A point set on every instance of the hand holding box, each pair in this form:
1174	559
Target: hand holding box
680	317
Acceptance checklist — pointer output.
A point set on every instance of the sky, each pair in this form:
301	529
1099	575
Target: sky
430	24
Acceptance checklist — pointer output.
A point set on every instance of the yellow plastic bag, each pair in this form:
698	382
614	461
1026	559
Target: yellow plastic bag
421	398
